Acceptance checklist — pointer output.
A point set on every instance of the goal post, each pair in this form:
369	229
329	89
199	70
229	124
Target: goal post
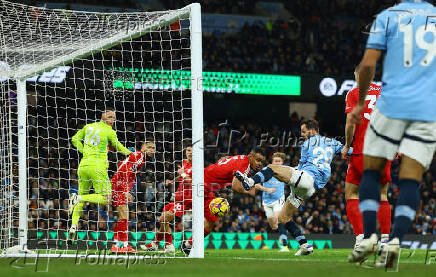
66	66
197	134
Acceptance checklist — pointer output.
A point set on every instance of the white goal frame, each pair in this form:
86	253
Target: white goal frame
192	11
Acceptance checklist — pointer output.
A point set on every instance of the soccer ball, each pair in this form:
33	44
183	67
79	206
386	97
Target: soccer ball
219	207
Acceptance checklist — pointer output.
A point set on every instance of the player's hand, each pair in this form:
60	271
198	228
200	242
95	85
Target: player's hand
355	115
130	197
270	190
180	170
344	152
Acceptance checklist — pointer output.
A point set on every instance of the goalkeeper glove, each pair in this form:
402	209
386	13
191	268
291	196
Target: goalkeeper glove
132	149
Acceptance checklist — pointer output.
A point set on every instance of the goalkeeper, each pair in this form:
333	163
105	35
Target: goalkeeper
93	166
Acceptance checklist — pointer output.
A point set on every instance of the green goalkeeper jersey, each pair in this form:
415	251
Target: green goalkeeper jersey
95	137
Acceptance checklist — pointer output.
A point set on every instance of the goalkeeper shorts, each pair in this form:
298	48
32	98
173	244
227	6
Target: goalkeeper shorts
95	177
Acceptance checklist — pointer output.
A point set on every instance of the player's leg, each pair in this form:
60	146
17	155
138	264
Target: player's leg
277	208
418	147
272	218
282	172
209	223
285	218
384	213
352	181
353	211
382	140
76	206
165	232
102	188
208	227
121	230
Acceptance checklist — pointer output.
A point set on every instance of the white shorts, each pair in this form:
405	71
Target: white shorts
387	136
302	187
274	207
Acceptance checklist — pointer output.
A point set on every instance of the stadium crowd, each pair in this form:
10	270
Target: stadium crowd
326	40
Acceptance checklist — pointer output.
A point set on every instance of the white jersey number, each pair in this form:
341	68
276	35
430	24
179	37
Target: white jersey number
421	32
92	137
371	105
323	157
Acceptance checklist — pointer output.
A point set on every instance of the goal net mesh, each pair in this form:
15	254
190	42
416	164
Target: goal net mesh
77	64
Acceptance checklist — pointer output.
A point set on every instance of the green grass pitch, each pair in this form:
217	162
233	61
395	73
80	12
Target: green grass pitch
225	263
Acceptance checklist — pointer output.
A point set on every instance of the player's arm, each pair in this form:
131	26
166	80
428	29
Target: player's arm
377	42
366	73
237	187
350	129
340	148
304	154
116	144
76	140
262	188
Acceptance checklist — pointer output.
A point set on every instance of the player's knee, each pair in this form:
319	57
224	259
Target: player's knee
384	192
166	217
351	191
283	219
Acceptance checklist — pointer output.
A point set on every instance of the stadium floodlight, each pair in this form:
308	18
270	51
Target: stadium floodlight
78	53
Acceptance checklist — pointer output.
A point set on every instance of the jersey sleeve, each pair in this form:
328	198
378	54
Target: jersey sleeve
304	154
351	100
76	140
112	137
379	32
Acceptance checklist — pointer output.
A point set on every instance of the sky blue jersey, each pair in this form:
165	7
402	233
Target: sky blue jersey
268	198
407	33
316	156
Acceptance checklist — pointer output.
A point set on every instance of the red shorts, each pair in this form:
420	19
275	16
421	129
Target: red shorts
355	171
207	214
120	189
180	209
177	208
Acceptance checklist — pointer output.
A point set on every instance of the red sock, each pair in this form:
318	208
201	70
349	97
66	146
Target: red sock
355	216
123	228
116	229
384	217
206	232
159	237
168	238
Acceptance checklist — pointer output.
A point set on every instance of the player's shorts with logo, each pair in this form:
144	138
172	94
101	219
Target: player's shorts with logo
180	208
302	187
120	190
177	208
355	171
387	136
274	207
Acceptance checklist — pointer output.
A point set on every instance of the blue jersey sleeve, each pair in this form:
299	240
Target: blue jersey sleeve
338	146
379	33
304	154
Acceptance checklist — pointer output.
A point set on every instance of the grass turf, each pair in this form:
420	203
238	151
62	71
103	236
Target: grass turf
221	263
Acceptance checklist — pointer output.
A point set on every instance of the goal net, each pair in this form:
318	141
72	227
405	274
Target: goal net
60	70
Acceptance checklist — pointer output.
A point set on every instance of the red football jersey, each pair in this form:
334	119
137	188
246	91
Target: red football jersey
220	174
351	102
128	168
184	190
